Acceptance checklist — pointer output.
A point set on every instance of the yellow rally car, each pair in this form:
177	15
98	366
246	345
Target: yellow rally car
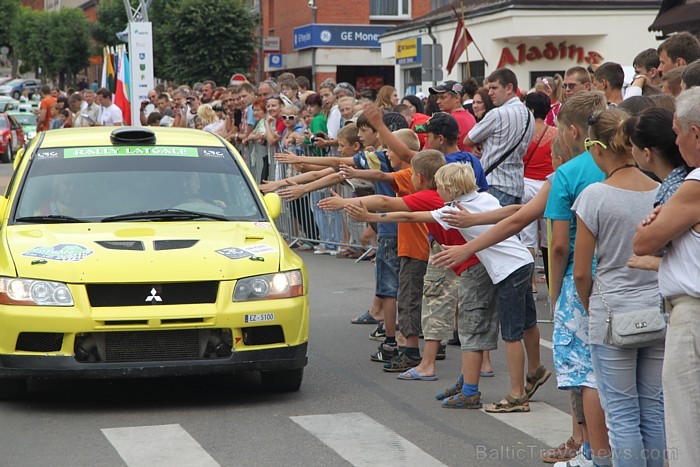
136	252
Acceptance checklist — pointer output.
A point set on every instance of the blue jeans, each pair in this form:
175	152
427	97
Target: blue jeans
629	384
516	305
504	198
329	223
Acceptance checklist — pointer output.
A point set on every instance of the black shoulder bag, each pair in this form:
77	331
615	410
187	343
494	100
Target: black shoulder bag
510	151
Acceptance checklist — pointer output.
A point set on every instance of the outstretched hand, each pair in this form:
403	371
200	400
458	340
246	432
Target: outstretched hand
333	203
358	212
287	158
292	192
374	114
461	218
451	256
347	171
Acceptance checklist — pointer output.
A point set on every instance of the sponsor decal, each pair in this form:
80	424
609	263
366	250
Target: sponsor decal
65	252
238	253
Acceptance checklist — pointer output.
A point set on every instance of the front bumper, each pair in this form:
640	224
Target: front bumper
43	366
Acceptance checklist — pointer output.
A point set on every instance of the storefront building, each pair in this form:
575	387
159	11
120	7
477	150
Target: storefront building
334	39
531	37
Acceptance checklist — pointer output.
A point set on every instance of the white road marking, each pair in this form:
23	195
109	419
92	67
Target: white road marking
547	344
544	423
364	442
159	445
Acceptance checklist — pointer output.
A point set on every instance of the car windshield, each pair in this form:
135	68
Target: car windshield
25	118
151	183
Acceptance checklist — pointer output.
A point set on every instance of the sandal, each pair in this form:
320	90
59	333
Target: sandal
365	318
512	405
449	392
401	363
535	381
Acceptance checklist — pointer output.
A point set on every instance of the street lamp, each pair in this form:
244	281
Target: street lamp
312	4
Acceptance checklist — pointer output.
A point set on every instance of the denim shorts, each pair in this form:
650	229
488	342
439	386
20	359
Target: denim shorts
516	305
504	198
386	268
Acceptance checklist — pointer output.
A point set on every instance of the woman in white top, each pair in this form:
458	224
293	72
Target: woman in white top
678	222
629	380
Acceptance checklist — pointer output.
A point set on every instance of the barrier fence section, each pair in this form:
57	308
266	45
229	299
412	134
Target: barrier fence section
301	222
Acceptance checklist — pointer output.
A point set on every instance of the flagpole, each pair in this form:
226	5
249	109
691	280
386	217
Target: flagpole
466	42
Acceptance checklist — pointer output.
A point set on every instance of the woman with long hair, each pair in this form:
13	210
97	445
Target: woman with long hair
481	103
608	212
387	97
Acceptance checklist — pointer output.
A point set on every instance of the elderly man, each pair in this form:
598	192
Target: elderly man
677	227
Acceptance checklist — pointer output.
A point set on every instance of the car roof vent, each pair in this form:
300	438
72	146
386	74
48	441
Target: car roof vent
132	135
122	245
173	244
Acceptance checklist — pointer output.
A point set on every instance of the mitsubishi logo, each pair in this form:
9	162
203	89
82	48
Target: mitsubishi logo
154	296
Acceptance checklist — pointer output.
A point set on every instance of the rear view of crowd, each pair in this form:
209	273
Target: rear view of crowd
458	192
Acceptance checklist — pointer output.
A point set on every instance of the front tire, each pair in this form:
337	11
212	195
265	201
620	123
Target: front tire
282	380
11	389
7	157
16	95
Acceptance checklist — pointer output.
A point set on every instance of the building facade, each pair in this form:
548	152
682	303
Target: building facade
333	39
532	37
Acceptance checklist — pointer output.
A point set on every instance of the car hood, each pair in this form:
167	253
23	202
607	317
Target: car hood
144	252
6	88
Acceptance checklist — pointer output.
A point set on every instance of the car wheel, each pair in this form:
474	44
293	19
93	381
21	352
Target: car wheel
16	95
7	157
282	380
12	388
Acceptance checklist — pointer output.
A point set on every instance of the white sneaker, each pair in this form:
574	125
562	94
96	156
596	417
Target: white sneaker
578	461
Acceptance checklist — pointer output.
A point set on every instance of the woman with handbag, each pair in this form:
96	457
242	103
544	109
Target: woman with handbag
622	302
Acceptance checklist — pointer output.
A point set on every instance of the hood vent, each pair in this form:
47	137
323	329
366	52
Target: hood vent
133	245
173	244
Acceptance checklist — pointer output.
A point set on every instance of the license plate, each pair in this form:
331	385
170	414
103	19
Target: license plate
259	318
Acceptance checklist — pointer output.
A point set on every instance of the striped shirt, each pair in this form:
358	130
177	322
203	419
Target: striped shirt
497	133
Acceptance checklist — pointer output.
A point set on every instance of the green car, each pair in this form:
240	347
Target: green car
28	122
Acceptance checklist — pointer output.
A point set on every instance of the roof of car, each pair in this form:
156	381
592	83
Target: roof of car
100	136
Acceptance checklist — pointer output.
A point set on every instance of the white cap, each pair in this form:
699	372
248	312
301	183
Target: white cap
420	95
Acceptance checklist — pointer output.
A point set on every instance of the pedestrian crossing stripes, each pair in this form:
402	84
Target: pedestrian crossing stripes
354	436
358	439
158	446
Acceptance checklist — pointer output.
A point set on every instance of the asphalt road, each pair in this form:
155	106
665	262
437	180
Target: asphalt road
348	412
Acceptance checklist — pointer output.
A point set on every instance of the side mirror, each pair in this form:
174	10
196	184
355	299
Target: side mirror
18	157
274	204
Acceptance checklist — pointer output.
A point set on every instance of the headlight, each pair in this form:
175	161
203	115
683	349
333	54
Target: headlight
270	286
19	291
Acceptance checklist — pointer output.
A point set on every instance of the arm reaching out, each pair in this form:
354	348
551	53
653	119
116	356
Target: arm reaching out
359	212
463	218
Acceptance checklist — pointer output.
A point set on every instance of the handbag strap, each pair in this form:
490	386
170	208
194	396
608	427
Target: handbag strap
530	154
602	297
510	151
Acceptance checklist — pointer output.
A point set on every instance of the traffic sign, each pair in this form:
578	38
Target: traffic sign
237	79
275	60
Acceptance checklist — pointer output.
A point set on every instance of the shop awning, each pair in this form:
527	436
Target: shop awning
684	17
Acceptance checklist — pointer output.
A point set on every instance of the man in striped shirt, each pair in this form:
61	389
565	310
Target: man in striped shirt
502	129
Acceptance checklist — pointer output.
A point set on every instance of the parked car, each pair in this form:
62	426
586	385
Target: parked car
8	104
27	119
11	137
145	252
16	87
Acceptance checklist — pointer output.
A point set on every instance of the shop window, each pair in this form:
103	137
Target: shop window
412	80
389	9
477	70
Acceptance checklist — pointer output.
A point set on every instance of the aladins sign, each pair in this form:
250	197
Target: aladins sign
549	52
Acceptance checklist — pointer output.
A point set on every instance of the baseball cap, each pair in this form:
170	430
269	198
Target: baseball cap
451	86
440	123
420	95
394	121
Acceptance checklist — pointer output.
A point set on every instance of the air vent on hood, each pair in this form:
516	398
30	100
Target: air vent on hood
173	244
122	245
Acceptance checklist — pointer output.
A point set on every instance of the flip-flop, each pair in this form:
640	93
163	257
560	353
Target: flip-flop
486	374
365	318
413	375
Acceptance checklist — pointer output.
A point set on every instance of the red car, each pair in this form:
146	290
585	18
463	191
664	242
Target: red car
11	137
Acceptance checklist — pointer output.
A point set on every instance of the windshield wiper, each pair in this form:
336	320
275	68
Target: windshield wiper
164	214
50	219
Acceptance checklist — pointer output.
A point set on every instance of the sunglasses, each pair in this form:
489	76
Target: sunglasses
288	117
569	85
592	142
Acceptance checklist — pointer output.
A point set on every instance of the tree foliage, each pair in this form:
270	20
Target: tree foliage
196	40
56	42
111	18
10	10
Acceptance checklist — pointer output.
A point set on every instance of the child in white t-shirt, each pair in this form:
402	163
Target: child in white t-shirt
509	264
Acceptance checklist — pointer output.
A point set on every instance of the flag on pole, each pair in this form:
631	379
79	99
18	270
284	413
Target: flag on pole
121	94
105	60
460	42
110	81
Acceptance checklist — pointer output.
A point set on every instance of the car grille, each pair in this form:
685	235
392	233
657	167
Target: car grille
39	342
179	293
263	335
145	346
